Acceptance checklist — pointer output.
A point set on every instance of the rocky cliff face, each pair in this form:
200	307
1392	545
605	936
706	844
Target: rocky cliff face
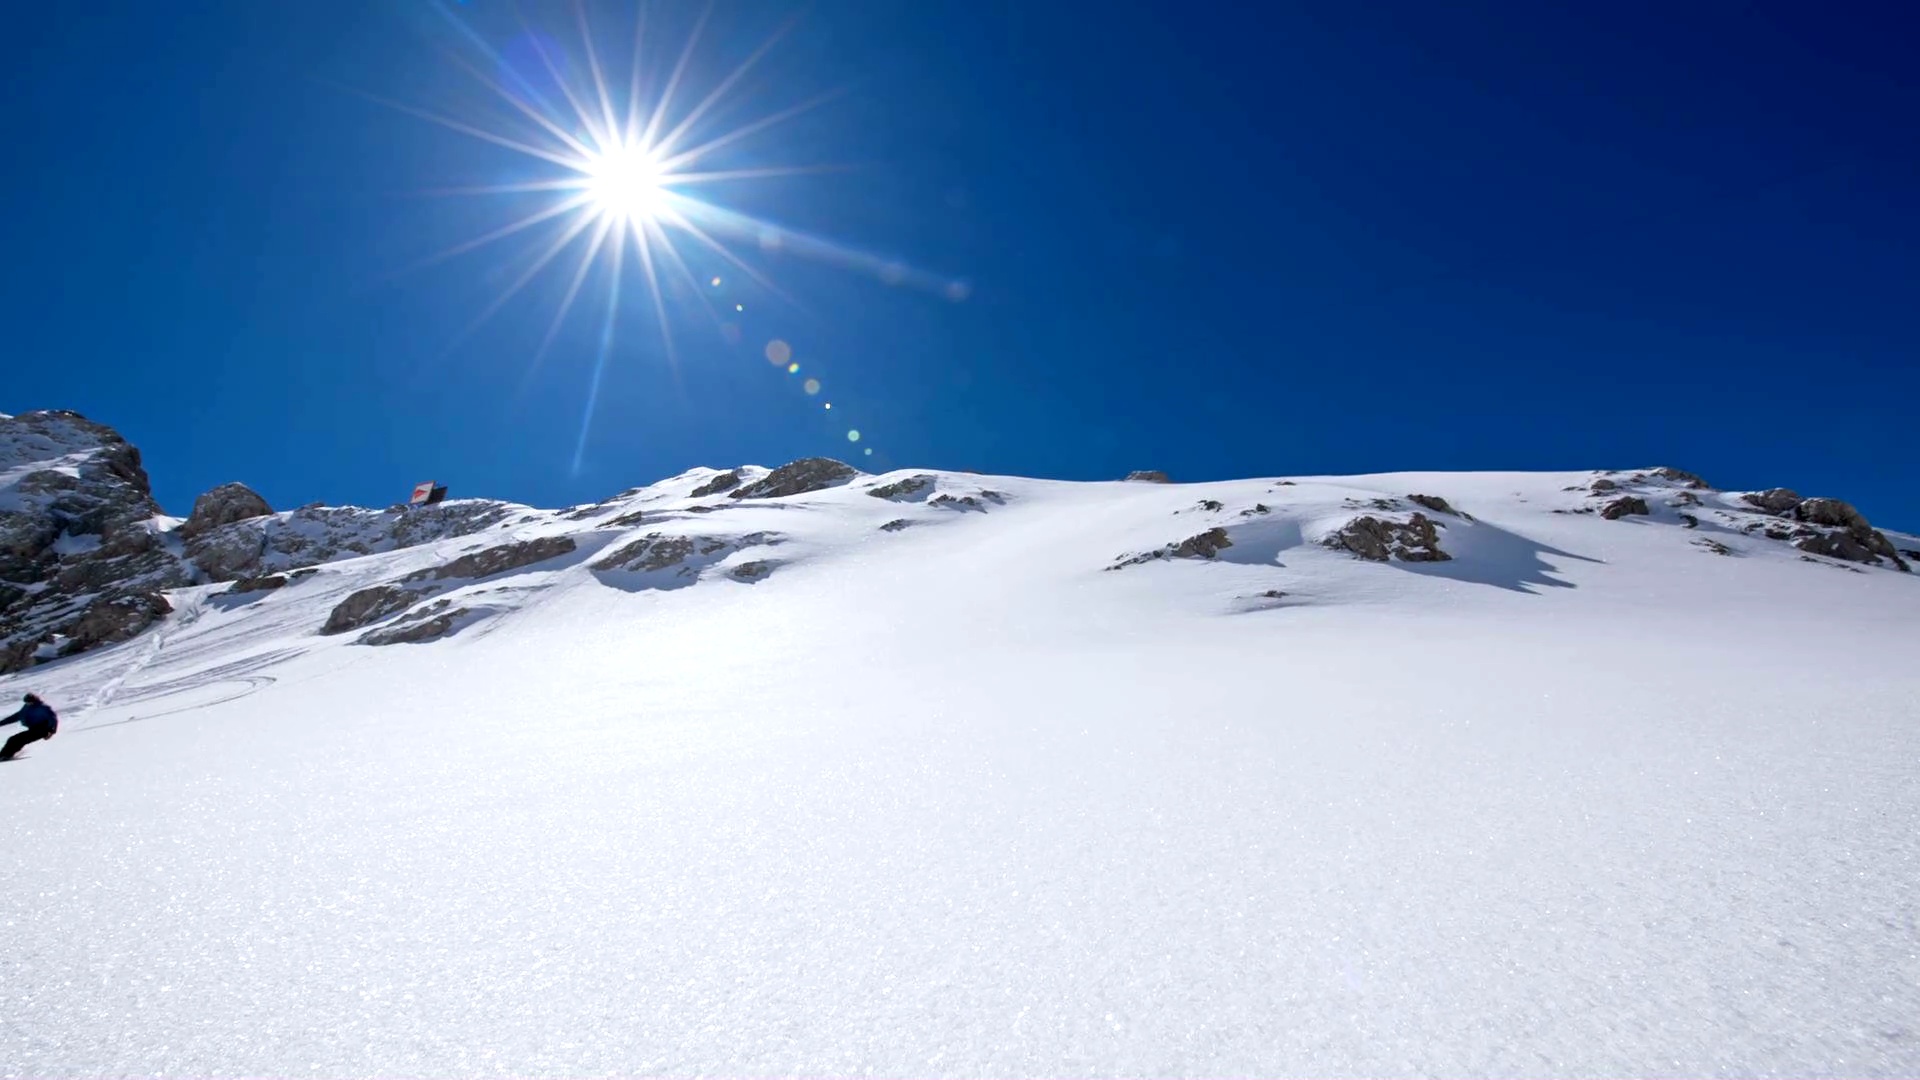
86	555
83	558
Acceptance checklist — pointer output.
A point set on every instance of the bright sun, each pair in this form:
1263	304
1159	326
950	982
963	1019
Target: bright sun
625	184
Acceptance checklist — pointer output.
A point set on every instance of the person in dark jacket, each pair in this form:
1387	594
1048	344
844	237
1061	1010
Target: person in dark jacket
39	721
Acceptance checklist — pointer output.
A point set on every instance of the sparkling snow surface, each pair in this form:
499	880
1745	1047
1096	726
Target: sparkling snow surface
954	799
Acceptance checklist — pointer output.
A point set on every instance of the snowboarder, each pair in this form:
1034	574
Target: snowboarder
39	721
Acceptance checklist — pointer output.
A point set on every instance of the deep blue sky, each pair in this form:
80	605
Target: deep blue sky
1220	240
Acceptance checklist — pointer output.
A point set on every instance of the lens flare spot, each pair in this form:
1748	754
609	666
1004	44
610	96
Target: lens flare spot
869	451
958	291
854	435
793	369
739	307
829	404
715	282
811	386
779	352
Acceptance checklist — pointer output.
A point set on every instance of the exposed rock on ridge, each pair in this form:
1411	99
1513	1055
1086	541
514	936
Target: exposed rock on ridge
798	477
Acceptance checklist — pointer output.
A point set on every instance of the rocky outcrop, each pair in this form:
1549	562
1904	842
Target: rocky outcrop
650	553
798	477
115	619
1602	485
368	606
1826	527
753	570
265	583
896	525
1858	542
1830	512
1206	545
499	560
1623	506
228	554
1148	476
1681	477
81	562
685	556
1434	503
911	485
1377	539
431	623
317	534
726	481
223	505
1773	500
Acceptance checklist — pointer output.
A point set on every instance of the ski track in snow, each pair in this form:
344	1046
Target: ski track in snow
958	800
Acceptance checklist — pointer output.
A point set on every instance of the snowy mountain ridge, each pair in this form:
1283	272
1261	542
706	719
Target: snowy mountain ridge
804	770
124	557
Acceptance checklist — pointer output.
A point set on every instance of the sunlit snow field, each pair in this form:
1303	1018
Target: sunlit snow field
956	799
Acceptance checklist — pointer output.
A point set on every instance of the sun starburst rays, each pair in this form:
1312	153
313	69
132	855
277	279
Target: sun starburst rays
609	160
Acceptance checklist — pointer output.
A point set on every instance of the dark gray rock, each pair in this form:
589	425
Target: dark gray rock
227	554
1377	540
1206	545
116	619
1772	500
1623	506
257	584
751	571
1831	512
1434	503
1148	476
1860	543
1681	477
437	621
499	560
649	553
726	481
223	505
80	562
368	605
911	485
797	478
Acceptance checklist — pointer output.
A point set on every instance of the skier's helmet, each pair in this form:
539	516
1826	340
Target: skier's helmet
31	699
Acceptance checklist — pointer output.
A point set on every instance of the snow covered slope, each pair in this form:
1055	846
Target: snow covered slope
936	773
